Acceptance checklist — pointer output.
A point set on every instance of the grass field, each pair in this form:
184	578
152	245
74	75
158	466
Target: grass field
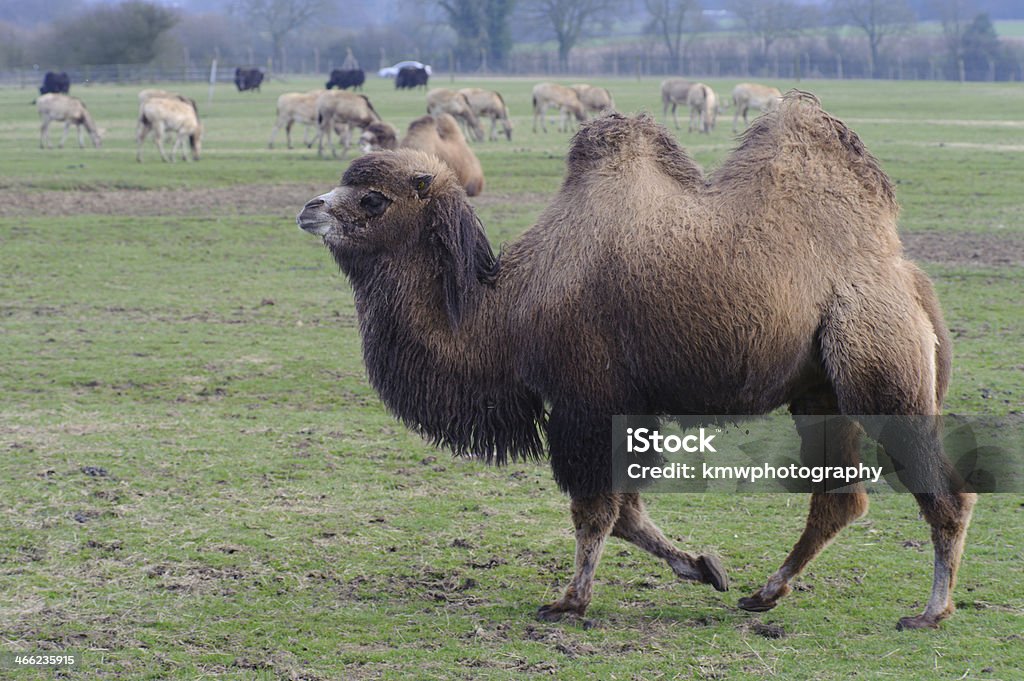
198	482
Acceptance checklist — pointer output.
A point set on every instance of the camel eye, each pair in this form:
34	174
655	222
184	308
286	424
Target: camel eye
374	203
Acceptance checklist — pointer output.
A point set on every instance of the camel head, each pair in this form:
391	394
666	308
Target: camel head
404	210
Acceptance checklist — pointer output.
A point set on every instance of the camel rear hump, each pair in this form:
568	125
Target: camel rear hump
802	143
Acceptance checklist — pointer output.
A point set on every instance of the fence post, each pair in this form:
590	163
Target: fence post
213	80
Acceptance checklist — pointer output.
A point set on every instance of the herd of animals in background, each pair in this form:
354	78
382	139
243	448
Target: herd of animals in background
334	112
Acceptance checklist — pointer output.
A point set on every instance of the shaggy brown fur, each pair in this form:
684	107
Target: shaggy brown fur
438	135
778	280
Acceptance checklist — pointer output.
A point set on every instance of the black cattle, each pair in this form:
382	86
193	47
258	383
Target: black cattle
55	82
347	78
409	77
248	79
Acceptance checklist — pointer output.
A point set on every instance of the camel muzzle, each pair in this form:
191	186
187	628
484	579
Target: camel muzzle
314	217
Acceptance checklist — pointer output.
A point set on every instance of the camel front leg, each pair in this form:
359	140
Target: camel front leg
81	140
636	527
594	519
64	137
829	512
44	135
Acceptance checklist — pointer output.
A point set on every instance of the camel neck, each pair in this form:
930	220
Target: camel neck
455	384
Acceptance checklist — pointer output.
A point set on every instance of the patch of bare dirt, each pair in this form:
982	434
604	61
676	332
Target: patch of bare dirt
965	248
270	199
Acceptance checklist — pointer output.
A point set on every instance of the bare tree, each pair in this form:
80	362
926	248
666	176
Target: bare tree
878	19
569	19
280	18
770	20
673	20
955	16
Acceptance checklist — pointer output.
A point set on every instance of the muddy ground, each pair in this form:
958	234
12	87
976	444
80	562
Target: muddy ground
952	248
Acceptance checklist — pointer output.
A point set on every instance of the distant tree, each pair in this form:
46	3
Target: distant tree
878	19
981	48
569	20
497	17
481	28
210	34
128	33
466	19
13	45
673	21
280	18
954	16
770	20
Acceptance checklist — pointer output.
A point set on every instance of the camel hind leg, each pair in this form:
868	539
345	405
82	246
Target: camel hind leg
886	357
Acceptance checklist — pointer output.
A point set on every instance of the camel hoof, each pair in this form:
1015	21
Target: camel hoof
917	622
557	611
549	613
756	604
713	572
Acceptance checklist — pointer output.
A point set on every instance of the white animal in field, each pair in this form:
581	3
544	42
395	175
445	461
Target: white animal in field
674	91
565	99
595	99
703	103
338	110
150	93
489	104
163	115
70	111
753	96
456	105
297	107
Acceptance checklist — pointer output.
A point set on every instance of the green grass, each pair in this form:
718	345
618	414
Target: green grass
262	517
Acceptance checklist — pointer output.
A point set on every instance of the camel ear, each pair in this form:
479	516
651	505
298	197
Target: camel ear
421	183
466	258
